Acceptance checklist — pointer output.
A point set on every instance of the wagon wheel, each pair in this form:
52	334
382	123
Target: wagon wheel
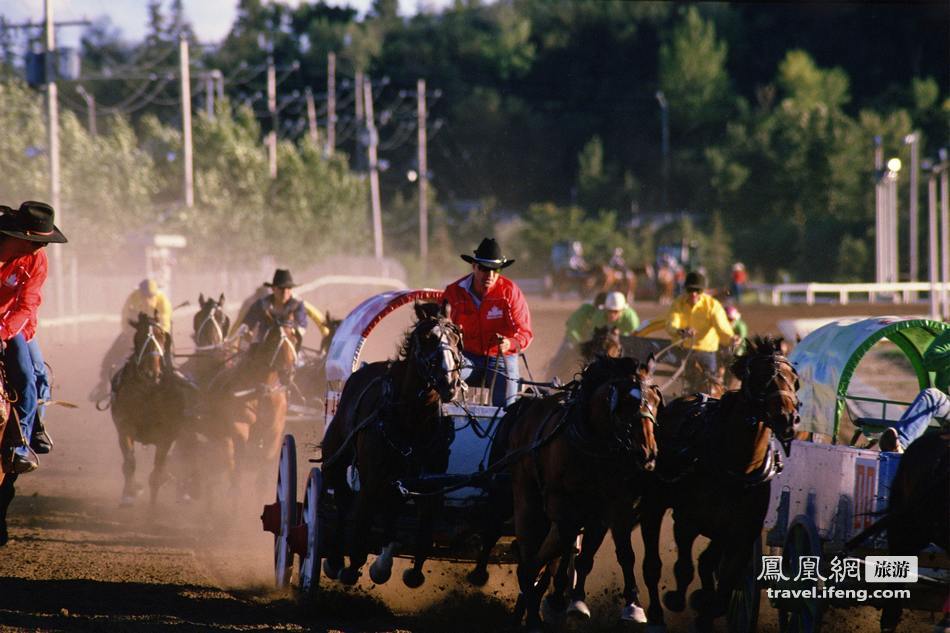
743	614
287	502
309	576
803	616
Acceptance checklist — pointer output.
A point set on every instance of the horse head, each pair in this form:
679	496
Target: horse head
210	323
623	406
279	344
434	349
770	384
150	343
604	342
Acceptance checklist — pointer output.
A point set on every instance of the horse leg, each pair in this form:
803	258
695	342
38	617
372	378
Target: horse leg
733	559
500	508
7	492
427	508
653	564
530	528
684	533
708	567
591	541
382	568
159	474
622	531
130	489
343	499
367	499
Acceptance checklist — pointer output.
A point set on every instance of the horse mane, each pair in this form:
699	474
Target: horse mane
758	346
424	312
603	369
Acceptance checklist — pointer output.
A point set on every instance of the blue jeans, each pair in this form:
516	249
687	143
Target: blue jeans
501	379
26	374
929	404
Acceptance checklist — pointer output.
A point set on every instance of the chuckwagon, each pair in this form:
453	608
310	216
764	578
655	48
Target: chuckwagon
830	493
300	528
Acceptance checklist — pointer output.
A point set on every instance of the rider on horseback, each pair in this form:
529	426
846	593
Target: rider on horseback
146	299
313	314
699	321
23	269
616	313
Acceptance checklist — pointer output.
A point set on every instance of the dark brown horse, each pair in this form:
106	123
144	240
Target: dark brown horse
147	404
388	427
245	405
918	512
605	341
714	472
211	326
576	455
610	279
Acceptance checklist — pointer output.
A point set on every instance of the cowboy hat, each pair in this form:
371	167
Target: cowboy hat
282	279
488	254
695	281
33	222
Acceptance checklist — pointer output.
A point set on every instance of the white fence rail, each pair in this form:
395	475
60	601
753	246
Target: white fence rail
814	292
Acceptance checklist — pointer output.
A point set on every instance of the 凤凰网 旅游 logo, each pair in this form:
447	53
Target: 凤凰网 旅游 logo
890	569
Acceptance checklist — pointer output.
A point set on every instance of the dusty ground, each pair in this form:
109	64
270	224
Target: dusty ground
76	561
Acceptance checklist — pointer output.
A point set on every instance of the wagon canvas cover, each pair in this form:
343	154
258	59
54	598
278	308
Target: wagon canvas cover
826	360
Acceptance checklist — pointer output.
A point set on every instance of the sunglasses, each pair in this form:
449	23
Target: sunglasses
486	269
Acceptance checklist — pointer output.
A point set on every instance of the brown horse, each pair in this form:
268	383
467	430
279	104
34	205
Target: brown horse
918	511
10	438
571	359
246	404
714	472
576	455
211	326
610	279
388	426
147	404
665	284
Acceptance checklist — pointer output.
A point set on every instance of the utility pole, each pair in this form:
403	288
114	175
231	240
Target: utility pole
331	103
90	109
52	112
912	230
209	94
880	213
272	108
186	121
373	170
219	82
358	101
423	175
312	118
934	277
944	238
665	145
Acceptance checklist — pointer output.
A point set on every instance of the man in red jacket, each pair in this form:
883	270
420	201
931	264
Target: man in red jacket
23	266
495	322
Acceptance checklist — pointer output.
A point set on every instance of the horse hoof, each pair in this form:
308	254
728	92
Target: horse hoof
331	571
478	577
578	609
700	600
553	608
349	576
633	613
674	601
413	578
380	574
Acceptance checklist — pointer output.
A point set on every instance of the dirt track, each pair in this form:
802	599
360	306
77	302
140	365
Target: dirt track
76	561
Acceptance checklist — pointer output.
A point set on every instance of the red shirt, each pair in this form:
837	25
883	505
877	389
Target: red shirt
20	282
503	310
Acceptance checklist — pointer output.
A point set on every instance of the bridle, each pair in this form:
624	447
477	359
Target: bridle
438	364
285	340
151	342
211	320
622	427
778	379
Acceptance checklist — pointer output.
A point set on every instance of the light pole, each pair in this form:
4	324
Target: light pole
665	145
890	179
912	231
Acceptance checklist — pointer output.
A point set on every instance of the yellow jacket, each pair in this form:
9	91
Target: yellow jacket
707	318
138	302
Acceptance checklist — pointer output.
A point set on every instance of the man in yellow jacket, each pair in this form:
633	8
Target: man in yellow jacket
147	298
700	322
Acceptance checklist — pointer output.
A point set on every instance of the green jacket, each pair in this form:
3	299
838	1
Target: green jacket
937	360
742	331
580	324
627	323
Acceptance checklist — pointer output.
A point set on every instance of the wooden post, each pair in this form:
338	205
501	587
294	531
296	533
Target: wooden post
312	119
331	103
423	175
373	170
272	108
186	121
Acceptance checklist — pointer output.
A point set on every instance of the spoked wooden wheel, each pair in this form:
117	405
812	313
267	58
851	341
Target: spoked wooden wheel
743	614
804	615
287	502
309	576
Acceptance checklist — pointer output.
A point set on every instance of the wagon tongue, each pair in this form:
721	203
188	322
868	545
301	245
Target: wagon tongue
430	484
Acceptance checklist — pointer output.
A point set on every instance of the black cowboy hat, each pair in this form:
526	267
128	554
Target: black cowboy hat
695	281
282	279
33	222
488	254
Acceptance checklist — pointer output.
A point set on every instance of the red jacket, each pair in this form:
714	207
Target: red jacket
503	310
20	282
